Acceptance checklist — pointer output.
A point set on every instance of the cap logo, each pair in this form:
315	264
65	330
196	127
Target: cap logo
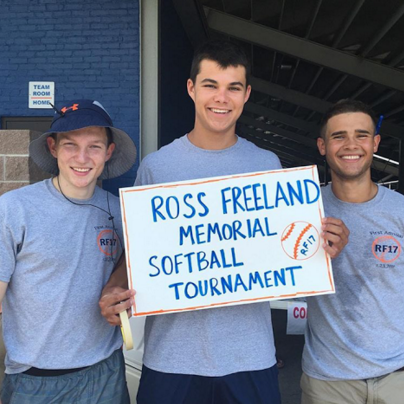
74	107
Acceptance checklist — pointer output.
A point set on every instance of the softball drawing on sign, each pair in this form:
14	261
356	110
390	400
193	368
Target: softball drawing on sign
300	240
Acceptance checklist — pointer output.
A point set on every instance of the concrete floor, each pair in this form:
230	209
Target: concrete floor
289	349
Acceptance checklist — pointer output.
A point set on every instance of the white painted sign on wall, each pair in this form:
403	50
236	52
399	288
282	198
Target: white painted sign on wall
224	241
41	94
297	318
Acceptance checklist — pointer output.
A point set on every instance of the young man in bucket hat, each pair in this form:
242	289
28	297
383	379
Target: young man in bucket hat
60	241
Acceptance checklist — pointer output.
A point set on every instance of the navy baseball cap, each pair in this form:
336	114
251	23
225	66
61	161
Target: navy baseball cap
81	114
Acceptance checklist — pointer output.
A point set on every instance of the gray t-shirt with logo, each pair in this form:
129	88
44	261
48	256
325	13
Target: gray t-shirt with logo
358	332
218	341
56	258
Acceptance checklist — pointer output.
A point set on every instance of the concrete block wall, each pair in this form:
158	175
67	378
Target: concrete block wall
16	167
90	49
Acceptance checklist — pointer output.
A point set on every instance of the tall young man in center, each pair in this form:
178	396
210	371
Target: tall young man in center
224	355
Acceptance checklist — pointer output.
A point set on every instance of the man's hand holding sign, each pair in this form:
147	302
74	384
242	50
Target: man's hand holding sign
335	234
228	240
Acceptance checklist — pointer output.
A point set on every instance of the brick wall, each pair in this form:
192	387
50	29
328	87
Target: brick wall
90	49
16	168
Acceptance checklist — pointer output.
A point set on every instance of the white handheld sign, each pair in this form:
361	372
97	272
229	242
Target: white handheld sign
225	240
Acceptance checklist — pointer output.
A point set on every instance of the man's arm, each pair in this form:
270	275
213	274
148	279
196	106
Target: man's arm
3	288
335	234
116	297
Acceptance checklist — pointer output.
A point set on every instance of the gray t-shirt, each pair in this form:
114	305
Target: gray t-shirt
219	341
56	257
358	332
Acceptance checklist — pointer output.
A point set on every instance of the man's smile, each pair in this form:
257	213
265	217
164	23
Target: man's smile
351	157
81	170
219	111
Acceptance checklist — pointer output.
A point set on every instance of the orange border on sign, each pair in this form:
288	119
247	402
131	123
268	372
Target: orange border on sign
210	180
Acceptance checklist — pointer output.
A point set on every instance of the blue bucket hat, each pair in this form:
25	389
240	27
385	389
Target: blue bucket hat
81	114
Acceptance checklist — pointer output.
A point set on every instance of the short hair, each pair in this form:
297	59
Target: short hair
224	52
346	106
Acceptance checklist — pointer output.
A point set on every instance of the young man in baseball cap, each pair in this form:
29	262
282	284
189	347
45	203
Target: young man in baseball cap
60	241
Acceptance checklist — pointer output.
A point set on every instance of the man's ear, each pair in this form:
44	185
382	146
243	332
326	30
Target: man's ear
110	150
376	141
247	94
52	146
321	146
191	89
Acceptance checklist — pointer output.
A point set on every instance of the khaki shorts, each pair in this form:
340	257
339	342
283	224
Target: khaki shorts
387	389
